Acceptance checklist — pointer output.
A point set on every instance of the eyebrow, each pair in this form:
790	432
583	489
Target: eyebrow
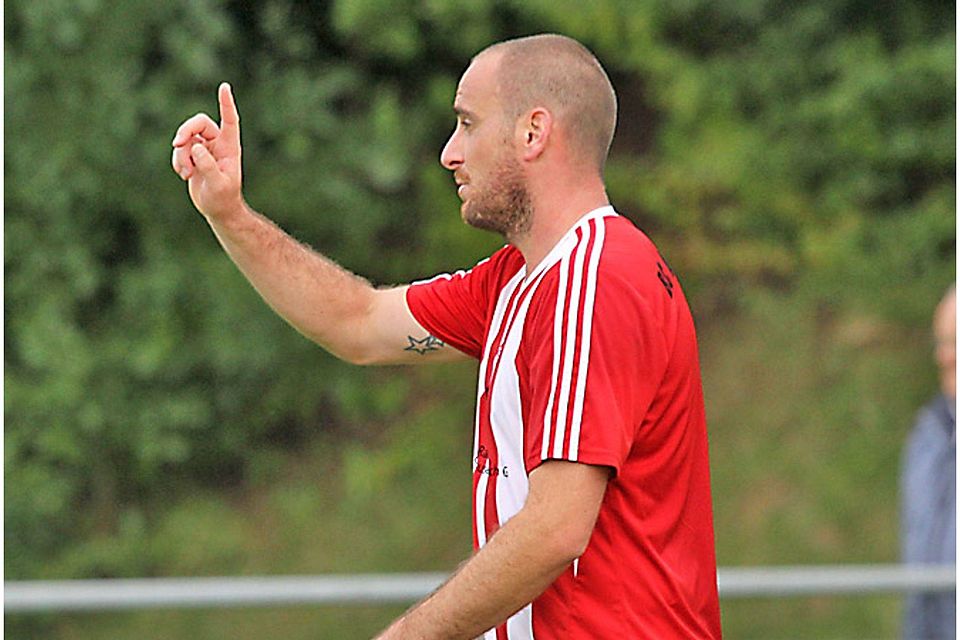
463	113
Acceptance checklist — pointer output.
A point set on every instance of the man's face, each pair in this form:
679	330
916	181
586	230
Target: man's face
945	336
482	156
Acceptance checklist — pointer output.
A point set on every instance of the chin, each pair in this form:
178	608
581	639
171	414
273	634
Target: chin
468	214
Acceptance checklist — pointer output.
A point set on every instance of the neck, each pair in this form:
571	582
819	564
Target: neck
555	211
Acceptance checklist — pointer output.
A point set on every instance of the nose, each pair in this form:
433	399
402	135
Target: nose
452	155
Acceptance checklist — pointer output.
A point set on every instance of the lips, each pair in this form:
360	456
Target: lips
461	180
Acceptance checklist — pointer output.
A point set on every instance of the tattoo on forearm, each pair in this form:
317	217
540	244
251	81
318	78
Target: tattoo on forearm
425	346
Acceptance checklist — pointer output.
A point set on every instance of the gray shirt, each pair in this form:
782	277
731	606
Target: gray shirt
928	494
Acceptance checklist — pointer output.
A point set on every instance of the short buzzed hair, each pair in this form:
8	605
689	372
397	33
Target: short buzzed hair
559	73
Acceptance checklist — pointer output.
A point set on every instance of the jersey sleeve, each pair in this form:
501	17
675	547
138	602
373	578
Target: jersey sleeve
453	306
596	360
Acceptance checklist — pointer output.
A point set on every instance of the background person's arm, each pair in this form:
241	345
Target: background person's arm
333	307
518	562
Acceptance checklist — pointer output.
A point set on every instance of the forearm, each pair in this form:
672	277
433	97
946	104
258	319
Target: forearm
516	566
323	301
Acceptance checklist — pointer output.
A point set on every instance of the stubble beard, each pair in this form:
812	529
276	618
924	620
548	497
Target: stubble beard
505	207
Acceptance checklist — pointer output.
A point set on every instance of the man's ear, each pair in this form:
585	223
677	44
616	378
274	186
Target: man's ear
535	130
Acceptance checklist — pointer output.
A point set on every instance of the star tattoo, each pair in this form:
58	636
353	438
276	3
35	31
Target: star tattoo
424	346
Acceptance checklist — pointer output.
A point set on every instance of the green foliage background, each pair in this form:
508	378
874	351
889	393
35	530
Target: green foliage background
794	161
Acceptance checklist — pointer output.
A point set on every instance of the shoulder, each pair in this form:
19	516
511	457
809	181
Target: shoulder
627	251
502	265
935	424
609	265
632	290
507	259
629	269
609	251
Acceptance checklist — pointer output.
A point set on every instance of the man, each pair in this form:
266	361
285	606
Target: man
929	486
592	511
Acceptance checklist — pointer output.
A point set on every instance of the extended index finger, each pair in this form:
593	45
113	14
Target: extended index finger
229	116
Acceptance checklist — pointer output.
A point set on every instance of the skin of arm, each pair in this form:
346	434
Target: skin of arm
329	305
326	303
518	562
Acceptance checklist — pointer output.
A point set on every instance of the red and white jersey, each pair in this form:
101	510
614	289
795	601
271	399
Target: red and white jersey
591	357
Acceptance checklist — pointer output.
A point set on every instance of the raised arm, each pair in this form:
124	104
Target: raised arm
333	307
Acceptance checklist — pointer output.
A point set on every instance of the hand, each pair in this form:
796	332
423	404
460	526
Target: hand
208	157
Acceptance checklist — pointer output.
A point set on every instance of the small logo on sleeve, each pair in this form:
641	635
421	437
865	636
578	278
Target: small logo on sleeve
482	462
665	275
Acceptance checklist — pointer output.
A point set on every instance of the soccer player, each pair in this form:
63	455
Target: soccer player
592	510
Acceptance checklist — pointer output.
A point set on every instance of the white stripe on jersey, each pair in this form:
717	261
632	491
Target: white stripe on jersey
507	431
520	624
444	276
589	297
557	342
481	501
570	354
498	314
449	276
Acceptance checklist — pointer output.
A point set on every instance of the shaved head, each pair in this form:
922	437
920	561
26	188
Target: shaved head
561	75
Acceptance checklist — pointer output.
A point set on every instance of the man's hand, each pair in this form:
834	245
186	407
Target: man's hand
208	157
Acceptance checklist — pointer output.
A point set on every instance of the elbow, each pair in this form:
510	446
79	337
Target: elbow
358	337
568	544
350	352
360	358
348	343
355	354
576	546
